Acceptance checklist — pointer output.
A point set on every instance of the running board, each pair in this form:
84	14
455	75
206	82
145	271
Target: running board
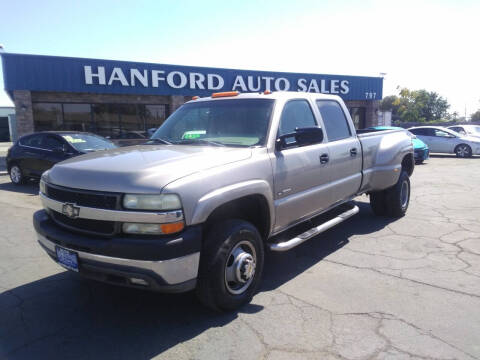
289	244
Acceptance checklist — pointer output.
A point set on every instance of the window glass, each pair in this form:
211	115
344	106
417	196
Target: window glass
130	122
336	125
296	114
106	119
51	142
33	141
88	142
77	117
47	116
152	115
242	122
441	133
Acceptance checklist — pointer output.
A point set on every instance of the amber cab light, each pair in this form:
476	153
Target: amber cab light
225	94
195	97
267	92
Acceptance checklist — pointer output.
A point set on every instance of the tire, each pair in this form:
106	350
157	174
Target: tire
463	151
397	198
230	245
16	175
377	203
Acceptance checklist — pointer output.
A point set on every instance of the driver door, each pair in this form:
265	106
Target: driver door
301	173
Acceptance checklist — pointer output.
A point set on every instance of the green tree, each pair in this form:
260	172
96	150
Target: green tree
475	116
416	106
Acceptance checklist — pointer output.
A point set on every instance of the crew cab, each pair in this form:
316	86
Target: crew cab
224	178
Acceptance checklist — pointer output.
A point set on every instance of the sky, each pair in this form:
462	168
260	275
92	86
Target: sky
419	44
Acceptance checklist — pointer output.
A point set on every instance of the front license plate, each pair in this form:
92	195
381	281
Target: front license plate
68	259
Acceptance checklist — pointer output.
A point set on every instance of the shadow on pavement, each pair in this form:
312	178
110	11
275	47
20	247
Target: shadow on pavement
30	187
64	315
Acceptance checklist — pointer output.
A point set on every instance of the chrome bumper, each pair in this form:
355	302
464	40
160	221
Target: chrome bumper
172	271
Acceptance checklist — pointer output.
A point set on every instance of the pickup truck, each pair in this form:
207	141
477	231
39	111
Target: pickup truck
224	179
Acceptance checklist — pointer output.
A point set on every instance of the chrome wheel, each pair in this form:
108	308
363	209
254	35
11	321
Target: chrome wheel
16	174
463	151
404	194
240	267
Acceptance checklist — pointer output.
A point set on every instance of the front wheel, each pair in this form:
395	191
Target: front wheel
463	151
231	265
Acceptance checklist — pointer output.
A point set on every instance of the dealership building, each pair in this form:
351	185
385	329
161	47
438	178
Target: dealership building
120	99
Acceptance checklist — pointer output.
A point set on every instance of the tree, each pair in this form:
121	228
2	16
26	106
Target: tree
475	116
416	106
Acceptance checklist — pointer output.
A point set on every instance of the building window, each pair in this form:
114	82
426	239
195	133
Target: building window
47	116
152	115
77	117
116	121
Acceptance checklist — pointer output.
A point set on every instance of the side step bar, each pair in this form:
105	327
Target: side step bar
289	244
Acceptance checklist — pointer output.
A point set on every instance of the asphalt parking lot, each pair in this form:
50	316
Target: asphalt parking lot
371	288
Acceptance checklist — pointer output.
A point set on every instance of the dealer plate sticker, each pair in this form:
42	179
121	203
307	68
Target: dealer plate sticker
68	259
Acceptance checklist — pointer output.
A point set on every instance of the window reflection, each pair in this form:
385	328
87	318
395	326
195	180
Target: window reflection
116	121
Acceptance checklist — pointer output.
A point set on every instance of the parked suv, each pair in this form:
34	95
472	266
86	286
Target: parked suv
33	154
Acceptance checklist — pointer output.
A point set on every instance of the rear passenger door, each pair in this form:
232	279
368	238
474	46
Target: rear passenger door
344	148
30	154
301	173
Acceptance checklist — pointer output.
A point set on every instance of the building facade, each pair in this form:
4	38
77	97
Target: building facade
119	99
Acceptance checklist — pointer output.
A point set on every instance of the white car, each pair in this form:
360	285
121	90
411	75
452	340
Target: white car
469	130
443	140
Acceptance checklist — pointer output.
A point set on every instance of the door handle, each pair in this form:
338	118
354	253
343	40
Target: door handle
324	158
353	152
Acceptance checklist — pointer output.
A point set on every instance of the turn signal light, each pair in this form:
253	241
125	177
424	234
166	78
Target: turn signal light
225	94
172	228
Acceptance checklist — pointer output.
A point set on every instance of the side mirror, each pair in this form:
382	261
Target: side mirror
302	136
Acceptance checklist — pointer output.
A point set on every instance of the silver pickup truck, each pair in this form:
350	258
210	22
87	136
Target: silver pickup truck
223	179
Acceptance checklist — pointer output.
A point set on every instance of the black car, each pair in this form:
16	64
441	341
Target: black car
33	154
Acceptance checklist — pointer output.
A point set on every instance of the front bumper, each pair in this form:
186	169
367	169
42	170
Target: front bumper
164	264
421	154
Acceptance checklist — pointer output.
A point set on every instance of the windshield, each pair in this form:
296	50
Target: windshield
87	142
239	122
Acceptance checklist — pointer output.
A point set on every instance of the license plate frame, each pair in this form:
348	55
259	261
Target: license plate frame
67	258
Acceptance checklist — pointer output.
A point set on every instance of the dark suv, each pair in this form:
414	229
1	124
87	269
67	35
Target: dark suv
32	154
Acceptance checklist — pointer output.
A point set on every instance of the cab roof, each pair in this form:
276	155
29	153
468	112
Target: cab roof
275	95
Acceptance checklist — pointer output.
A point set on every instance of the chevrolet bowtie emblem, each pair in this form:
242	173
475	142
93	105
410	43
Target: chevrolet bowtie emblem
70	210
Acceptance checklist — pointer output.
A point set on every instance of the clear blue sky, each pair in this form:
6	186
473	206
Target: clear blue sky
419	44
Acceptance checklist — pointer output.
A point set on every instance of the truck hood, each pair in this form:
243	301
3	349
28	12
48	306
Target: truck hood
140	169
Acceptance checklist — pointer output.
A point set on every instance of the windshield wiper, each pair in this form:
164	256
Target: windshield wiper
158	140
199	141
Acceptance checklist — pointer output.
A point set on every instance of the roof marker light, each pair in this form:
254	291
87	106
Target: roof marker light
195	97
225	94
267	92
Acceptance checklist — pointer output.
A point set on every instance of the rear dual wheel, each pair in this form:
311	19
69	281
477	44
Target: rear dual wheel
393	201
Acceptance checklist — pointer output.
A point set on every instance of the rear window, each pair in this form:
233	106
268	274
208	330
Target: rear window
336	124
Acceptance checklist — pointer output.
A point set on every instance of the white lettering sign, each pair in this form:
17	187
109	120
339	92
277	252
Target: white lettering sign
98	75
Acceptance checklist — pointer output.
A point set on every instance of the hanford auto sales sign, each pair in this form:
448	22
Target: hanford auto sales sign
63	74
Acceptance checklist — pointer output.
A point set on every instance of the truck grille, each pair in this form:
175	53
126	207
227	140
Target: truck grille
98	227
94	199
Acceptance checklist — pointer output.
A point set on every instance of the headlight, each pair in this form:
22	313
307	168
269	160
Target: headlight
152	202
153	229
43	188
